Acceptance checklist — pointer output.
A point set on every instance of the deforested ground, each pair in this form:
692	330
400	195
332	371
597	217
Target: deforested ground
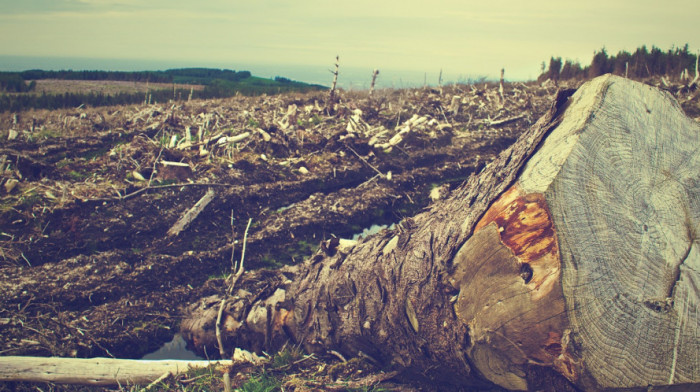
96	259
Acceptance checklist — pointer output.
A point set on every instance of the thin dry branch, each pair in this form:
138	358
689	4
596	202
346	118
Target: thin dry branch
222	305
331	93
365	161
695	79
374	80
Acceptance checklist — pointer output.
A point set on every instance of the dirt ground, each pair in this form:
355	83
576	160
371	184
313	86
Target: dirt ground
89	262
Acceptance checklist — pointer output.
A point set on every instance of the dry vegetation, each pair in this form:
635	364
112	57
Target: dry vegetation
88	196
106	87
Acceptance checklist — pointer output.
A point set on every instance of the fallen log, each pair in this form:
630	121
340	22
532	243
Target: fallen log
571	260
94	371
192	213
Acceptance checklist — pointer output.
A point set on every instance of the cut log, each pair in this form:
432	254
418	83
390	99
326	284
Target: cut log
93	371
572	257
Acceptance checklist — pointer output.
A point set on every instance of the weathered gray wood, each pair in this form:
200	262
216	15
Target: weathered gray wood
192	213
93	371
621	176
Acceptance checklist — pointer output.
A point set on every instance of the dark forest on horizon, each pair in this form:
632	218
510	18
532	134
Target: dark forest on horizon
642	63
18	88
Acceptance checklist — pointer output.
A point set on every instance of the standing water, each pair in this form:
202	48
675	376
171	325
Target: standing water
175	349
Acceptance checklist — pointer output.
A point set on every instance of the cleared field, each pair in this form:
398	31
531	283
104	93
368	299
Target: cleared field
107	87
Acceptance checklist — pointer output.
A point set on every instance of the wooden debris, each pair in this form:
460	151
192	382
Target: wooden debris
504	121
94	371
191	214
138	176
233	139
454	105
10	185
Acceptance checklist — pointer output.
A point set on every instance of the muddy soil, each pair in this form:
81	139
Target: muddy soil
87	266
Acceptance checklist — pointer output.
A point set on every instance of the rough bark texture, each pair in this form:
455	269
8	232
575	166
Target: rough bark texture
578	260
386	297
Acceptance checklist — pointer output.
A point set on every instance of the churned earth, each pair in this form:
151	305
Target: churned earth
96	258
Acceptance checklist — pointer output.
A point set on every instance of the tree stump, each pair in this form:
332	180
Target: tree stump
573	255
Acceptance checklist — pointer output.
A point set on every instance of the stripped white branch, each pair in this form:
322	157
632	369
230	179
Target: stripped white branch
191	214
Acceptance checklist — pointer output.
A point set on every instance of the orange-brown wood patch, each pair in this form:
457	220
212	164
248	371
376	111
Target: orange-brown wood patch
539	326
526	228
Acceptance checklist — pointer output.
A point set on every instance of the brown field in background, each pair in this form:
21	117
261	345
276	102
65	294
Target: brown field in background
107	87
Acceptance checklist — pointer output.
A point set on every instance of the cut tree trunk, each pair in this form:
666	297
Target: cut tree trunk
572	258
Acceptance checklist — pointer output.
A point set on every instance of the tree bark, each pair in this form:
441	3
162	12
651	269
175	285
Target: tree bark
573	255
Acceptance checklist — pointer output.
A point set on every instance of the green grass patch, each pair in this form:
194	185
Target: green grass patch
77	176
261	383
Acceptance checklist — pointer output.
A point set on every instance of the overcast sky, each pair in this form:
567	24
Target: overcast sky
462	37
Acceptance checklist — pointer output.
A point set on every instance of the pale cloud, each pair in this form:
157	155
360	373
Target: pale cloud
461	36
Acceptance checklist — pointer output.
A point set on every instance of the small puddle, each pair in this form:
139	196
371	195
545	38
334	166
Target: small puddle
374	229
285	208
174	349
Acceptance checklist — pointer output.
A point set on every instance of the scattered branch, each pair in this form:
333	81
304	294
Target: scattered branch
234	279
192	213
365	161
93	371
504	121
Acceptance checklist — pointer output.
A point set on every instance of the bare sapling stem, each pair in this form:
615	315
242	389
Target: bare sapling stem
500	87
374	80
695	79
233	244
235	276
331	94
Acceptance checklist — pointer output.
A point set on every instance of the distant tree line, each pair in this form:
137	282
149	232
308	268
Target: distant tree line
179	75
205	75
139	76
13	82
643	63
19	102
218	83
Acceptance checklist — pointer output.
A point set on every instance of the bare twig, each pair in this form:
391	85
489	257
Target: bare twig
233	243
157	381
374	80
148	188
494	123
331	93
695	79
235	277
365	161
500	88
337	354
